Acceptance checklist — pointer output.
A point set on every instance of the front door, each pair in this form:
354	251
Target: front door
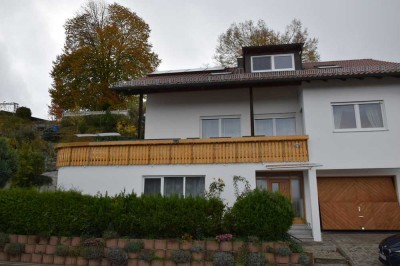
280	185
289	185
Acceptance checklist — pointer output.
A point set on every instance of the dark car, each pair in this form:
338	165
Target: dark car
389	250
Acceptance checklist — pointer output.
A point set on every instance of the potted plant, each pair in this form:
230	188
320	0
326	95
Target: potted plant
223	259
14	249
225	242
92	250
146	257
304	260
181	257
256	259
282	254
133	248
62	251
296	249
117	256
197	252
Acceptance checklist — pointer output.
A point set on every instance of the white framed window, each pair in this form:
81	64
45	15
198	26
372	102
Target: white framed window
277	62
275	125
213	127
174	185
358	116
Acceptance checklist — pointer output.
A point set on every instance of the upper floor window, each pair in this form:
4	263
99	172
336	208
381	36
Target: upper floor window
220	127
175	185
358	116
275	126
266	63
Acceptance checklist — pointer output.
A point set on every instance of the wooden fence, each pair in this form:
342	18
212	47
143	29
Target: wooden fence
184	151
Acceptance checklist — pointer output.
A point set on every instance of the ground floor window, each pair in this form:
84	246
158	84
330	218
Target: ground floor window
288	184
174	185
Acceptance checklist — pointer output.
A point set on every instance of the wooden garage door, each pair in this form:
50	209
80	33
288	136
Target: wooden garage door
358	203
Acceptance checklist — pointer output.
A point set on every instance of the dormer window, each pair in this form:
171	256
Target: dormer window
268	63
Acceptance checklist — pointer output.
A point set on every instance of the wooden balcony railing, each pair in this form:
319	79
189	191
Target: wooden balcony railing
184	151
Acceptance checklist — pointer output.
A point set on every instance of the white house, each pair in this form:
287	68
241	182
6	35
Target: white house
326	134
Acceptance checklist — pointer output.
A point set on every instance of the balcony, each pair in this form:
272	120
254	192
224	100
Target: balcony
184	151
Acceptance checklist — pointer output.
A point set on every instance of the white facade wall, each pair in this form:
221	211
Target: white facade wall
351	150
178	114
114	179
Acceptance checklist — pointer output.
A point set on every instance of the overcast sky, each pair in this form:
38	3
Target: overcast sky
184	34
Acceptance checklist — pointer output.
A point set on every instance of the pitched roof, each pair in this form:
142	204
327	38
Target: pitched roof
204	78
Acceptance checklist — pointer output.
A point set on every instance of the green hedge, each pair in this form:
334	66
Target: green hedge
260	213
74	214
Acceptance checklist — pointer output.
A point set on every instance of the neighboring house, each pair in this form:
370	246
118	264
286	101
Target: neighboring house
326	134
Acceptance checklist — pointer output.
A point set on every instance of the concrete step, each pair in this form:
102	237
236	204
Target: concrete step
301	231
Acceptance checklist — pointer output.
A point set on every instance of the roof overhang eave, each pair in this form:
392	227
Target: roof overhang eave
207	85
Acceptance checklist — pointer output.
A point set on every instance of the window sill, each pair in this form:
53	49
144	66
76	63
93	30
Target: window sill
359	130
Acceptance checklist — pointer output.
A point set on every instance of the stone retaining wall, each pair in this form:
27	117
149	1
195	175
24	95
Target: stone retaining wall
42	250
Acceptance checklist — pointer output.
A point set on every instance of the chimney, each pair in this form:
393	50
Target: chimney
240	62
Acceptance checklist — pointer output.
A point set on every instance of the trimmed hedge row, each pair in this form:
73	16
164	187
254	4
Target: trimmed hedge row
73	214
259	213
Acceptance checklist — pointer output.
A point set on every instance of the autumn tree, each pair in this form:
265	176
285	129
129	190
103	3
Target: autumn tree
105	43
250	33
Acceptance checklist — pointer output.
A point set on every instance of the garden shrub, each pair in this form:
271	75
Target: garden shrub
260	213
92	249
223	259
181	256
25	211
62	250
134	246
14	249
256	259
117	257
146	255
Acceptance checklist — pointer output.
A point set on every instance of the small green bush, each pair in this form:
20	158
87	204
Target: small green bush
117	257
62	250
256	259
92	252
181	256
134	246
295	247
4	239
260	213
223	259
74	251
283	251
14	248
304	260
92	249
196	249
146	255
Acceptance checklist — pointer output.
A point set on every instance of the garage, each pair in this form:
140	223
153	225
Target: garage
358	203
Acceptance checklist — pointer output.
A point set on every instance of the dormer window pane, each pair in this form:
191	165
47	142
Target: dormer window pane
276	62
283	62
262	63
